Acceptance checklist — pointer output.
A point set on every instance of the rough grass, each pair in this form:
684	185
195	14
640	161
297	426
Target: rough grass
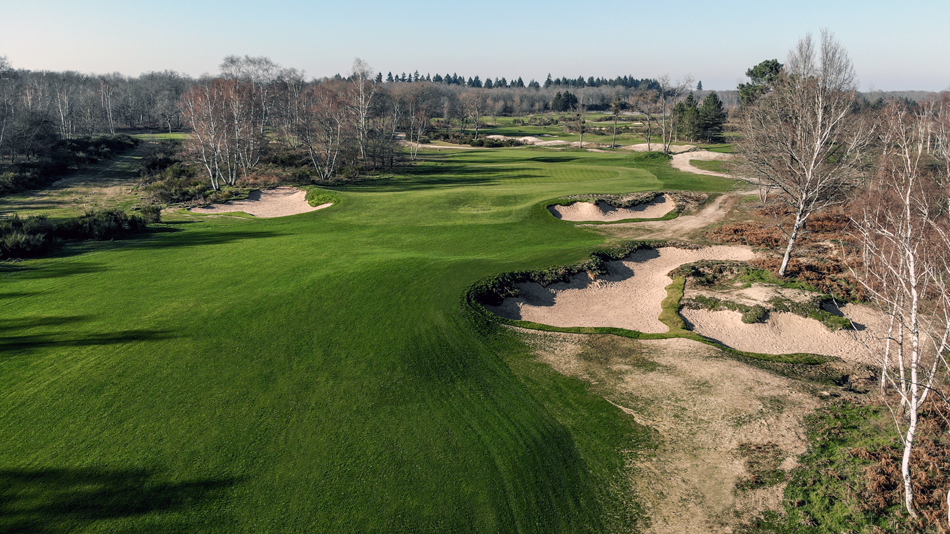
315	372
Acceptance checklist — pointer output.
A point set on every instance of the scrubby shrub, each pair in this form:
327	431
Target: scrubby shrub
647	157
100	225
151	213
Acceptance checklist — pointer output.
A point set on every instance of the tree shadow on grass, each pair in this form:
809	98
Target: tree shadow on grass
30	271
11	345
66	500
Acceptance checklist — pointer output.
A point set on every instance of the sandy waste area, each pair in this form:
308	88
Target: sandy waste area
278	202
601	211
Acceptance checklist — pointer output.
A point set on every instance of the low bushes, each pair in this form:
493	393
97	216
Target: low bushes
32	237
62	156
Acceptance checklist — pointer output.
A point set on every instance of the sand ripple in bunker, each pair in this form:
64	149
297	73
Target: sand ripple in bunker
278	202
787	333
603	212
629	296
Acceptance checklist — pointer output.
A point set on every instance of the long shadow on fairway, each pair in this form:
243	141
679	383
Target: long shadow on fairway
161	238
68	500
49	270
34	322
11	344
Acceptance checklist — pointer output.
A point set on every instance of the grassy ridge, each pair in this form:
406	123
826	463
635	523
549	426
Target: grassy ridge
315	372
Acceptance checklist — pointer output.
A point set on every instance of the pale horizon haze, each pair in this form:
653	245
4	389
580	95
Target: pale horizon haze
894	47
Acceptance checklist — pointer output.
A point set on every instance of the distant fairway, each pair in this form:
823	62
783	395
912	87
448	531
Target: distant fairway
315	373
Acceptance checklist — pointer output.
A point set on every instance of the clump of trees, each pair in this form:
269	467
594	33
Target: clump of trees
704	122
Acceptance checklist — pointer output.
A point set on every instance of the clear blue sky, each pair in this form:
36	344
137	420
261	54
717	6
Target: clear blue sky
894	46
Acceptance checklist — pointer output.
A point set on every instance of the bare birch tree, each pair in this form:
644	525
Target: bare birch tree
804	138
903	231
360	100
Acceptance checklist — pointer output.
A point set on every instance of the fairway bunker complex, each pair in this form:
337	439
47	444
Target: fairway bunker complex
630	296
602	211
277	202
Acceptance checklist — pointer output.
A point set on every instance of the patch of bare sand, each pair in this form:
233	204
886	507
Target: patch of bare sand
681	161
703	407
787	333
629	296
656	147
277	202
604	212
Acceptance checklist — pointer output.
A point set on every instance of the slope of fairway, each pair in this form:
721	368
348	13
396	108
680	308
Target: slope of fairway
314	373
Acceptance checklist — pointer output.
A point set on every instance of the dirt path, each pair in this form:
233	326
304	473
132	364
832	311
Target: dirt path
703	407
109	184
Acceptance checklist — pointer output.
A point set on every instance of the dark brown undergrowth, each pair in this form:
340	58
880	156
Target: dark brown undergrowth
823	257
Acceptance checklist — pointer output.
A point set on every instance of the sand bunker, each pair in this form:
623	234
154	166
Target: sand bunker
278	202
628	297
657	147
681	161
787	333
601	211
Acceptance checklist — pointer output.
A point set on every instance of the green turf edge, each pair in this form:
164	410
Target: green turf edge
317	196
669	315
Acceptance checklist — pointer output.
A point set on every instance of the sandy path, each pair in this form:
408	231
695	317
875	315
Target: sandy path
681	226
628	297
278	202
604	212
681	161
702	406
787	333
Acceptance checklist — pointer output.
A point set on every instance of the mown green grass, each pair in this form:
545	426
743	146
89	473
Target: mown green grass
714	166
315	373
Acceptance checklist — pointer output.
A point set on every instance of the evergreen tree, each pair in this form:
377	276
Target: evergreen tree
549	82
712	118
699	85
519	83
488	83
686	119
389	77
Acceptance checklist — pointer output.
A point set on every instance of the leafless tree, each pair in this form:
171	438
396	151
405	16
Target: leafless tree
903	230
361	95
322	118
804	138
474	104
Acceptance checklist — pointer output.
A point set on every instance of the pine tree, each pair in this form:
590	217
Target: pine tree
712	118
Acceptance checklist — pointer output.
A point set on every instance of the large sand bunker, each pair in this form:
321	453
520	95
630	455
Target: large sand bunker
278	202
628	297
601	211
